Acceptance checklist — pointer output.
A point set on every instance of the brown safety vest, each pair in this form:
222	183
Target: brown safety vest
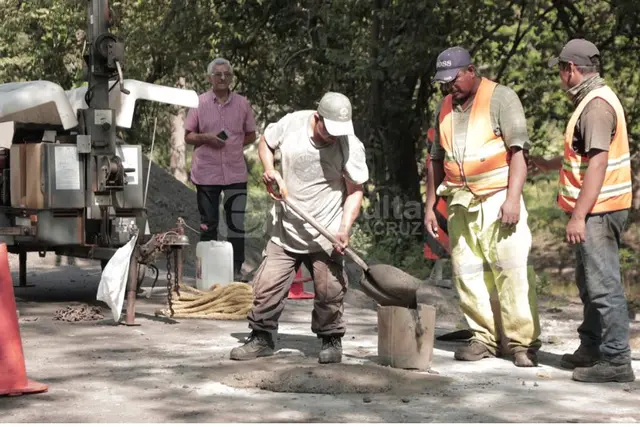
616	191
484	165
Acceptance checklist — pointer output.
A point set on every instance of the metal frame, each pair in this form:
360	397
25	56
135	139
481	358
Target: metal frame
95	139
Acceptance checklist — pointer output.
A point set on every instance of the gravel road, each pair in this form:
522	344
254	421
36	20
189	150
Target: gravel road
178	370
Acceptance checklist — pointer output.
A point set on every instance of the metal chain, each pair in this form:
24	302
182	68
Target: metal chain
169	290
176	278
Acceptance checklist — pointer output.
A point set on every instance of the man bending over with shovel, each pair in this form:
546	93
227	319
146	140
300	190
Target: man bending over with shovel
478	163
323	169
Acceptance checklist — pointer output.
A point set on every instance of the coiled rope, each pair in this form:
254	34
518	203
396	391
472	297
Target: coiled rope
230	302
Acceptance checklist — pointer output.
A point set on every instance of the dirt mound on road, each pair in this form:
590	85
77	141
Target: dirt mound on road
303	375
78	313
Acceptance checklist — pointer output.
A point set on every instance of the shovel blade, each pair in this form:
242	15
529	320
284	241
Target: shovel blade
396	283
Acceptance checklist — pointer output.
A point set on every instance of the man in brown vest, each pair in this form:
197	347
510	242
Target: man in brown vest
595	190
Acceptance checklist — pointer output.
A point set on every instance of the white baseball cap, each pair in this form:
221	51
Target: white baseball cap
335	109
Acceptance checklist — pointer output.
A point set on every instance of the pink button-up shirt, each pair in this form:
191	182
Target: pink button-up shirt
226	165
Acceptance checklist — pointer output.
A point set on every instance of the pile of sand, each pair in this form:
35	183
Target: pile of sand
304	375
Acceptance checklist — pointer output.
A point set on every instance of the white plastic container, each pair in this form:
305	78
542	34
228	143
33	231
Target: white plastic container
214	264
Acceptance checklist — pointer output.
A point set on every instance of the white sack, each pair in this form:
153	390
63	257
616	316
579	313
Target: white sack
113	282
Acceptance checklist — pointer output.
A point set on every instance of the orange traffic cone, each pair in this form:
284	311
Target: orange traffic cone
13	376
297	287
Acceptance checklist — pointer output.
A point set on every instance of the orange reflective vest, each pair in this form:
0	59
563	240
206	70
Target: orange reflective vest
483	167
616	192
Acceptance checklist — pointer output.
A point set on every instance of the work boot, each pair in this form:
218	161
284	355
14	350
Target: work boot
605	372
583	357
473	351
259	344
525	359
331	351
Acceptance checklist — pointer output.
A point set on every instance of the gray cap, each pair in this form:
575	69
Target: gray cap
578	51
449	62
335	109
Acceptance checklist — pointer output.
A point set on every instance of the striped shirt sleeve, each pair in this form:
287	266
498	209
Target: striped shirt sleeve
507	114
437	152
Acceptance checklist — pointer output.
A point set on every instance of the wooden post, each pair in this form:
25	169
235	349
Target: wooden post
132	287
406	336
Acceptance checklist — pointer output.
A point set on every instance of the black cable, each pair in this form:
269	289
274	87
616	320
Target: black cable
114	85
153	267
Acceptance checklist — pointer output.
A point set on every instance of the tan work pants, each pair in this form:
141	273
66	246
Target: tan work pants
274	277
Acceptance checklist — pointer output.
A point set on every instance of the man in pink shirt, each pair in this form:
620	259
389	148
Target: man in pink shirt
219	128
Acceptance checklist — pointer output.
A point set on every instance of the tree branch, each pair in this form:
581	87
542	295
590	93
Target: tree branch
489	33
565	19
519	37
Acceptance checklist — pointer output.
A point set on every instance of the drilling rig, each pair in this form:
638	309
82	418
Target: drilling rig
68	184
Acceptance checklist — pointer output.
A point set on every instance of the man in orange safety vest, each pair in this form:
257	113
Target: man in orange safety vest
596	191
478	163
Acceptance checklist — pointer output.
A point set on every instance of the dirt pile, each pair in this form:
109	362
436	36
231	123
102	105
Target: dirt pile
300	375
169	199
78	313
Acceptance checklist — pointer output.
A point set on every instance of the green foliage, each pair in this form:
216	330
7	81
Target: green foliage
544	285
540	198
394	249
259	204
628	259
630	268
39	41
381	53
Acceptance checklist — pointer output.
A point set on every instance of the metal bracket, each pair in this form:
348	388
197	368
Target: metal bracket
84	144
169	242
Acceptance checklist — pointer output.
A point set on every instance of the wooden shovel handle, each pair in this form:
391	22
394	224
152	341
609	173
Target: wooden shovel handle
348	251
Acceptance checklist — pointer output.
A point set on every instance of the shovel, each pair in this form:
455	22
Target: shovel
386	284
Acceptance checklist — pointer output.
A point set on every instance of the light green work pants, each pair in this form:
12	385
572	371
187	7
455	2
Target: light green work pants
487	256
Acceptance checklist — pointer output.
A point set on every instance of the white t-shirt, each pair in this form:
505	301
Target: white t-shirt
315	180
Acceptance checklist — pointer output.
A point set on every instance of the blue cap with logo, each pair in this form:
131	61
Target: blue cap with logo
450	62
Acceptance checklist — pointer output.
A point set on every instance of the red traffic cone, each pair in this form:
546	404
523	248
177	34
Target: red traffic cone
13	375
297	287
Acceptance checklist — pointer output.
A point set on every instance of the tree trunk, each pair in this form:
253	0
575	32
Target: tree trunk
402	131
178	146
635	175
373	131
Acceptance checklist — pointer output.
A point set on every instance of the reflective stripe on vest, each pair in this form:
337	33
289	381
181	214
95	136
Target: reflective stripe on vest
483	167
616	192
